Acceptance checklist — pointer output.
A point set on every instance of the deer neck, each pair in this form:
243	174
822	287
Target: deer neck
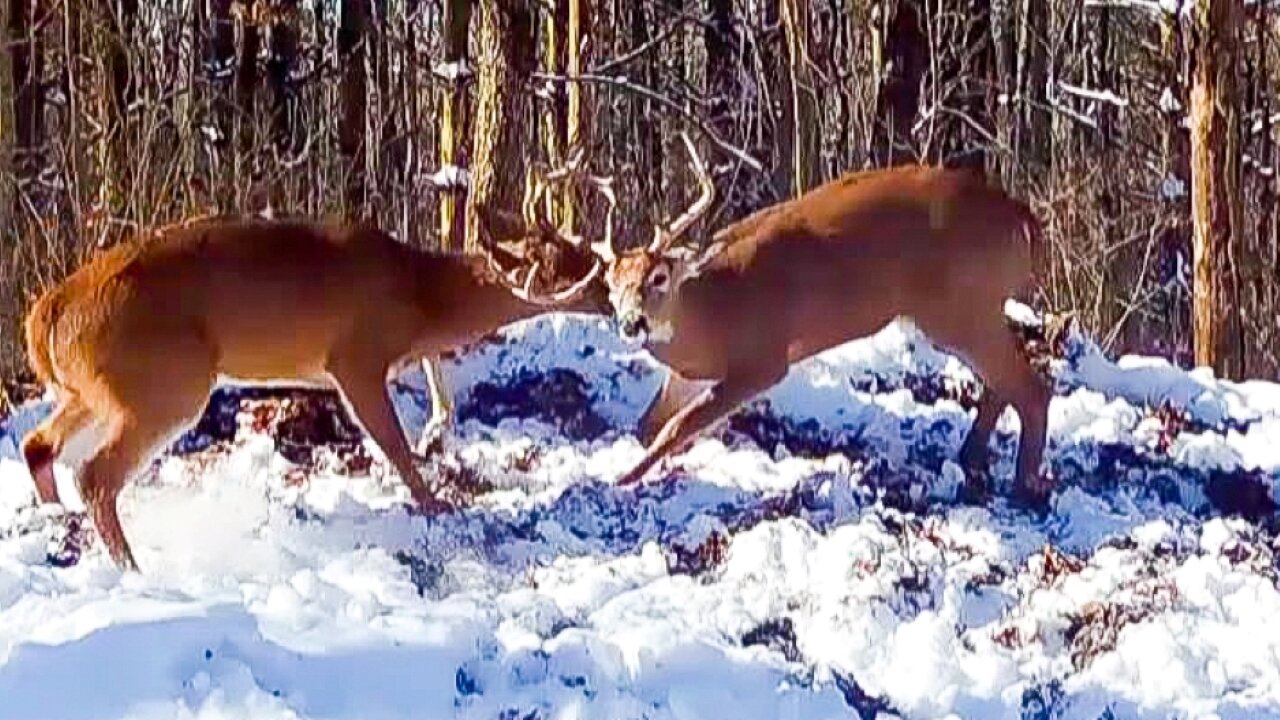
469	301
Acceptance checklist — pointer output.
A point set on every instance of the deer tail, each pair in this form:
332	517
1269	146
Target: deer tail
39	326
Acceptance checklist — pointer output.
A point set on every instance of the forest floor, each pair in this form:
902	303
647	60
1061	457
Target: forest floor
817	558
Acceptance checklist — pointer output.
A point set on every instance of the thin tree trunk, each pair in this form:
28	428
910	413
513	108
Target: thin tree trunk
223	49
1215	208
504	56
804	126
73	47
282	59
351	131
197	185
246	100
1175	146
118	169
408	167
453	122
642	123
901	61
1032	142
575	130
555	112
27	71
389	146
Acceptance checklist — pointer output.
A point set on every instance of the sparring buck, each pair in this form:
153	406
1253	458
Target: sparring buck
133	342
935	245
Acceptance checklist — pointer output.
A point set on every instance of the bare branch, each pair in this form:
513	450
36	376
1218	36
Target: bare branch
625	84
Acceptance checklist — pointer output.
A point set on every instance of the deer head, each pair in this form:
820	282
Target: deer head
529	250
644	283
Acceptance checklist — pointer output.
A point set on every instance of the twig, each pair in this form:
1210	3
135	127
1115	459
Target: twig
625	84
641	49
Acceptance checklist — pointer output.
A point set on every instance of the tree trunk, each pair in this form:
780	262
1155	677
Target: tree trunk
389	145
280	63
197	179
1175	242
73	48
408	167
1032	128
642	125
504	56
900	57
27	72
555	113
453	122
118	166
725	92
804	126
351	129
246	175
575	129
223	49
1217	225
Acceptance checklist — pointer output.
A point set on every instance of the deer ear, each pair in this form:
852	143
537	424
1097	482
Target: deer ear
696	261
501	226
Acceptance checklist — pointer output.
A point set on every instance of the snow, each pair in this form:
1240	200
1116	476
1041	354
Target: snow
452	71
450	177
747	582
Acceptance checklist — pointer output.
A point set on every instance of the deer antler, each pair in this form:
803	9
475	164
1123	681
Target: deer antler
536	188
664	237
524	290
604	249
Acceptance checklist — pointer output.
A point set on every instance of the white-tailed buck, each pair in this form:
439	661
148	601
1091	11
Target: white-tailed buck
938	246
133	341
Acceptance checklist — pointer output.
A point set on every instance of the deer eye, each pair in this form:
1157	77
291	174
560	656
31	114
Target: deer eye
659	280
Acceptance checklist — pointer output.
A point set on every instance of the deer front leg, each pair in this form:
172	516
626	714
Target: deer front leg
707	409
675	393
441	421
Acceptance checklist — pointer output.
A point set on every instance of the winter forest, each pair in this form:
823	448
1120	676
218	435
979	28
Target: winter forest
826	551
1142	133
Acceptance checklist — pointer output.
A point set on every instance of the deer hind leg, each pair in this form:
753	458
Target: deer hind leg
70	420
365	394
138	431
707	409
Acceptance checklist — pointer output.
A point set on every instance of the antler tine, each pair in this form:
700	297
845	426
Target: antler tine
662	238
605	248
524	291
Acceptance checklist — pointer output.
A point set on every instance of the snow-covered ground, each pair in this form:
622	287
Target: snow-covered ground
832	574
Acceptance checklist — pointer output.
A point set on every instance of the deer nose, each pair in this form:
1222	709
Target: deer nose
633	326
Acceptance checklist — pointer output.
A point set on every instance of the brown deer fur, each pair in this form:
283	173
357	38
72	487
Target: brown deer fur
939	246
134	340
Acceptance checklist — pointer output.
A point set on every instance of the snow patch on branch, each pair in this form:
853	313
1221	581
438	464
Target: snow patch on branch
450	177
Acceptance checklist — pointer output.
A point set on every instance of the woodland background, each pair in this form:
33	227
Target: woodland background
1142	133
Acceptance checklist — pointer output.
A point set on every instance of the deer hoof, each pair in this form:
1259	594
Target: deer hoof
1034	495
430	505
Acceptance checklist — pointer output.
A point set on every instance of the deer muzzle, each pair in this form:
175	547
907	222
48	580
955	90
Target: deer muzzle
634	326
